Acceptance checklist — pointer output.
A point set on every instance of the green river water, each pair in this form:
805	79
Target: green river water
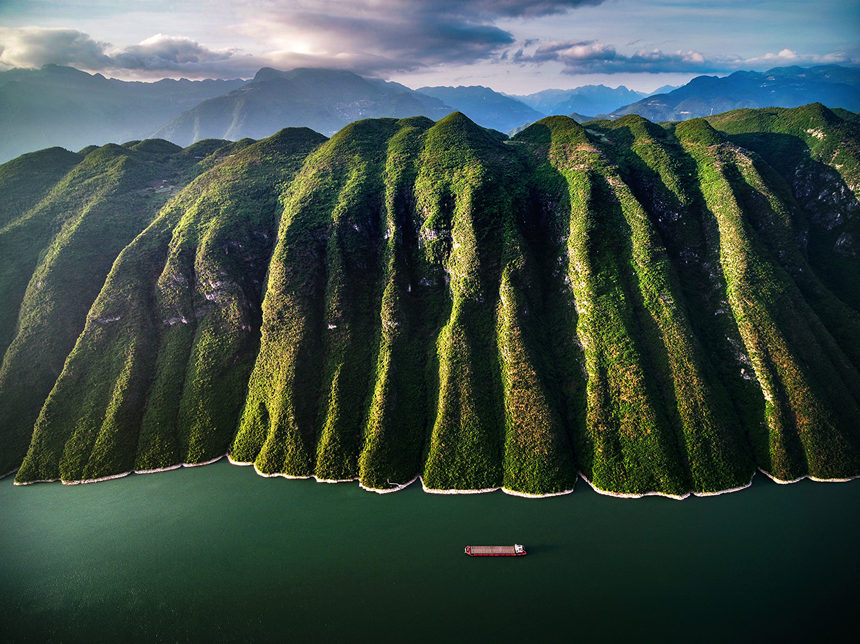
217	553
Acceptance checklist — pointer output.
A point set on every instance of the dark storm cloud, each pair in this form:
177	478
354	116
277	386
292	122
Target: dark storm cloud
403	43
389	35
509	8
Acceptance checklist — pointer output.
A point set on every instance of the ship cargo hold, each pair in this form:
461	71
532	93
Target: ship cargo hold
516	550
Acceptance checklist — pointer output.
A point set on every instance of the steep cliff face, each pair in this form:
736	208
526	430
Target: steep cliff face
655	308
63	234
816	152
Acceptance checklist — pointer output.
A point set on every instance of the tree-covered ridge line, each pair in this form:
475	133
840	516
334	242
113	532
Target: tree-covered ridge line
659	308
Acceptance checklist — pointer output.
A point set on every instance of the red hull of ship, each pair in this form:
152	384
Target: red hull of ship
510	553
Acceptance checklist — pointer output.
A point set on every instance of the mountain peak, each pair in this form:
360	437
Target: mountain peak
698	130
553	130
398	273
267	74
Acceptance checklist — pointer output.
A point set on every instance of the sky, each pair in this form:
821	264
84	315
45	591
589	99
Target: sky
514	46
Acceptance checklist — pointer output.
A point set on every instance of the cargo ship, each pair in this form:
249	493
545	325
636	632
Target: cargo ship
515	550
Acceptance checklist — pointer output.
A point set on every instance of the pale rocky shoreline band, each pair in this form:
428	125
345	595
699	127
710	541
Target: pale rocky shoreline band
396	487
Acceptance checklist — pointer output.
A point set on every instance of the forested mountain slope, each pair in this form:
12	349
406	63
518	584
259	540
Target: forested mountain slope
661	309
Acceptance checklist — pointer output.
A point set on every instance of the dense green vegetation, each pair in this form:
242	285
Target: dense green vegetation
57	255
660	308
157	375
817	153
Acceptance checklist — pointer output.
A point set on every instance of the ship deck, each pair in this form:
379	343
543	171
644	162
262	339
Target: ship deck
492	551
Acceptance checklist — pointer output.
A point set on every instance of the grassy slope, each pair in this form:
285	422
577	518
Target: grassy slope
396	420
537	449
627	442
461	198
809	386
305	399
716	454
24	182
76	232
430	348
818	155
627	300
221	225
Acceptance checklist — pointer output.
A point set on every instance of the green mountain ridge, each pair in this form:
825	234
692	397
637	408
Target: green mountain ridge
656	308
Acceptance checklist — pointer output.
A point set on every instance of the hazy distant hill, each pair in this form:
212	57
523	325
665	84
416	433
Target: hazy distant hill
831	85
62	106
485	106
324	100
658	308
663	89
588	99
580	118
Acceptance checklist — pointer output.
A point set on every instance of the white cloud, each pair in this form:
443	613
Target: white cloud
175	53
36	46
33	47
590	56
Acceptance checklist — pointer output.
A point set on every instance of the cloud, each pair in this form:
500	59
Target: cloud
392	41
34	47
591	56
395	35
370	36
162	51
504	8
790	57
380	37
166	54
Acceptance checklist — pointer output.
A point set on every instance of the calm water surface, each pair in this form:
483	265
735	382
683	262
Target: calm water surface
221	554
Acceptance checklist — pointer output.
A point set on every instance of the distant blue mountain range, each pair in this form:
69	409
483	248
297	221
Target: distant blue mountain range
63	106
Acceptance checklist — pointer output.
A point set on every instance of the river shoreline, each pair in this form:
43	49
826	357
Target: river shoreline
396	487
807	476
119	475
